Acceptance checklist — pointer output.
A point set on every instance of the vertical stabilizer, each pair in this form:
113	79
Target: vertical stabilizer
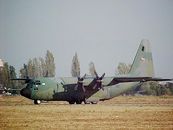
143	62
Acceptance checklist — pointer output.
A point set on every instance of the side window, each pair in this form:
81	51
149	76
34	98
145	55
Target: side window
37	83
143	48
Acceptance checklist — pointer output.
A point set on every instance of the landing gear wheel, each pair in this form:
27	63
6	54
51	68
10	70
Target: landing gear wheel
71	102
94	102
86	102
78	102
37	102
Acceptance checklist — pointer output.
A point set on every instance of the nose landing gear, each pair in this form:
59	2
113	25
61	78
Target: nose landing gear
37	102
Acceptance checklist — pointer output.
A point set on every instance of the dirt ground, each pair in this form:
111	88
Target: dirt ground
139	112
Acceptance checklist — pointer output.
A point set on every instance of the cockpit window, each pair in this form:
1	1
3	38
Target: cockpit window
37	82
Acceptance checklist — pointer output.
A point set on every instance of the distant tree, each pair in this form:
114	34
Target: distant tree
169	85
151	88
12	83
123	68
12	72
92	69
33	68
30	69
38	67
75	68
50	65
23	74
27	70
23	71
42	68
148	88
1	77
5	75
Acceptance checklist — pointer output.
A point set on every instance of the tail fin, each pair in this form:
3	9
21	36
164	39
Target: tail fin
143	62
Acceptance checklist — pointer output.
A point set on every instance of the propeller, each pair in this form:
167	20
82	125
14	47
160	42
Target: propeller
98	81
5	90
80	83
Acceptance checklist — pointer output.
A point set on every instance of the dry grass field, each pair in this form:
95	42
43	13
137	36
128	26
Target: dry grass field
143	112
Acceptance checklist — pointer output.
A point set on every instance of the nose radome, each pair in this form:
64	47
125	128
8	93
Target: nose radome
26	92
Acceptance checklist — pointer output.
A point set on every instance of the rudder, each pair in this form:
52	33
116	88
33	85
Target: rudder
143	62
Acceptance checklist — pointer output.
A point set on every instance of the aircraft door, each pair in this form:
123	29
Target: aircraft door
60	88
37	84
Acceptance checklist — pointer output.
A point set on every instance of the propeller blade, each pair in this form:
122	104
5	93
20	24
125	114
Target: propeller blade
80	83
95	86
83	77
78	78
83	88
96	74
103	75
99	82
5	90
102	87
76	87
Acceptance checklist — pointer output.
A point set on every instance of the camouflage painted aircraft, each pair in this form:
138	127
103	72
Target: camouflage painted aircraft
93	89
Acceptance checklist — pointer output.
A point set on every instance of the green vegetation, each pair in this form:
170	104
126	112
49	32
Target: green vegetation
123	68
39	67
36	67
92	69
45	67
7	73
147	88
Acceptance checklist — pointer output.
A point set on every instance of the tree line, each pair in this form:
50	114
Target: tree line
36	67
39	67
6	74
45	67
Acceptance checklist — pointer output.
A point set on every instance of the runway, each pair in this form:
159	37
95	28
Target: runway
119	113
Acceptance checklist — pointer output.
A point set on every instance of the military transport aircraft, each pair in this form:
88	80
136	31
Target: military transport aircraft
93	89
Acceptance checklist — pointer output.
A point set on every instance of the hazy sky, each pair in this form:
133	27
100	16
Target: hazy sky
103	31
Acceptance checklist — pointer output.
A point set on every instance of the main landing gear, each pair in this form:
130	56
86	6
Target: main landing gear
85	102
73	102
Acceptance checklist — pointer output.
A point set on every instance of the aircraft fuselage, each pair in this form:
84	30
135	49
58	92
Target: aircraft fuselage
50	90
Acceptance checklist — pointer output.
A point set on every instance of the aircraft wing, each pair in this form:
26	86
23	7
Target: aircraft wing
107	81
92	83
74	80
69	80
117	80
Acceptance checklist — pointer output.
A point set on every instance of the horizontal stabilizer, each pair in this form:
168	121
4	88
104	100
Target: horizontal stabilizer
117	80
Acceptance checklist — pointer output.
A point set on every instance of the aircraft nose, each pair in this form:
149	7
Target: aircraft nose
26	92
